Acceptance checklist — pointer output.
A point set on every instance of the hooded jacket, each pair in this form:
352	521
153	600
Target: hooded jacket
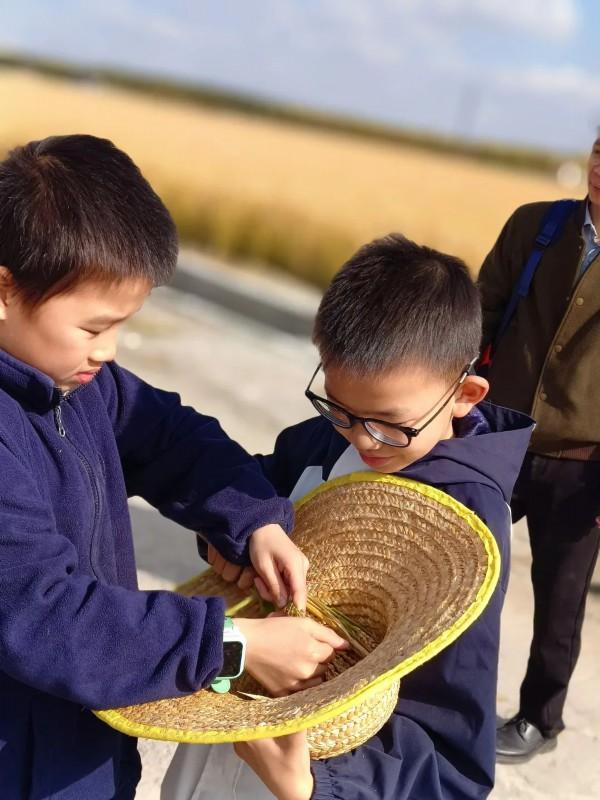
439	743
75	633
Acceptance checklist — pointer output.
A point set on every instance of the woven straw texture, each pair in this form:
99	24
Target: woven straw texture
408	563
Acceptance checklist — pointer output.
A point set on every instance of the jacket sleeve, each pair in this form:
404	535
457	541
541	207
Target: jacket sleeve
275	466
69	635
281	467
184	465
440	742
498	275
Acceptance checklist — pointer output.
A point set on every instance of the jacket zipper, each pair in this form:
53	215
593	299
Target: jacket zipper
86	466
58	410
58	420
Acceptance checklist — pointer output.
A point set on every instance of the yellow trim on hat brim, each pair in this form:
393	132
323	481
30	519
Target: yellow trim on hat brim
115	719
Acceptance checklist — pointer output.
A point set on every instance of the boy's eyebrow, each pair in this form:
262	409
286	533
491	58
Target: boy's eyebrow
104	320
397	412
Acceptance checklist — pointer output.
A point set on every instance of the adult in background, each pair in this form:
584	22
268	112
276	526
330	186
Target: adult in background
545	360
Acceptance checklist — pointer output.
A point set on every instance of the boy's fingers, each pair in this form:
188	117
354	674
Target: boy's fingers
327	636
262	589
218	563
296	579
274	583
228	571
246	579
308	684
322	653
298	686
231	572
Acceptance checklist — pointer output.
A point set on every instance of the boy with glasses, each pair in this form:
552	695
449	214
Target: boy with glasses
397	331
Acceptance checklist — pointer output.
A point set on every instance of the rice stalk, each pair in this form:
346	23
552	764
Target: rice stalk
333	618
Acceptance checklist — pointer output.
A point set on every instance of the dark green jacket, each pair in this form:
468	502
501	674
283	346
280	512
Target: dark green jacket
548	362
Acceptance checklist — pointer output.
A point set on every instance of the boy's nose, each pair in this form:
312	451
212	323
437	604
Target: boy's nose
361	439
105	350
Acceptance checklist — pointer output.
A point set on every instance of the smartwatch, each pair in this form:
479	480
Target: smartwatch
234	655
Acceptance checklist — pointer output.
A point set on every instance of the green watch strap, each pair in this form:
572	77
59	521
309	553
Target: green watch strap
223	685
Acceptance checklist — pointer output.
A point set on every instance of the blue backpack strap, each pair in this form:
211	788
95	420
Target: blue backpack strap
550	229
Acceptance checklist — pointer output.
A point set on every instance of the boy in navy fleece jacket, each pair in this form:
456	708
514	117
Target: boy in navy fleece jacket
83	239
397	331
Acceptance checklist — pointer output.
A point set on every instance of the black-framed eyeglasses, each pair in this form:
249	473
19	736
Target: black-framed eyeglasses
393	433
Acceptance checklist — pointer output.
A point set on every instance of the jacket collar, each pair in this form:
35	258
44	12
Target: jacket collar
476	455
27	385
577	218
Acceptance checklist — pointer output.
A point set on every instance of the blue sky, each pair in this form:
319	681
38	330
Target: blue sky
524	71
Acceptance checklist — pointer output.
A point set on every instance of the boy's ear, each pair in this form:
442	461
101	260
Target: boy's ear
471	391
6	290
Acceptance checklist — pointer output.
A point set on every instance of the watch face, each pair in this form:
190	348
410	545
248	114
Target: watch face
232	659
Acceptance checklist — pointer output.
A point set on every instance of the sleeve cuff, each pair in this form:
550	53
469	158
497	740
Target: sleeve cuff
277	511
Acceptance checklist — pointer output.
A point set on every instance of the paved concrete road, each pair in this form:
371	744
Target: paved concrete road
252	378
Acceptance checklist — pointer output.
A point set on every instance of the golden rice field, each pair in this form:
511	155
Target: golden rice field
277	192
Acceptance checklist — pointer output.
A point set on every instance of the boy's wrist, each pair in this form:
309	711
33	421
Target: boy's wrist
301	787
248	629
234	656
308	788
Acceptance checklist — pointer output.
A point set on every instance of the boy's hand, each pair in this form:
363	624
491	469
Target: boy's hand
232	573
280	565
287	654
282	764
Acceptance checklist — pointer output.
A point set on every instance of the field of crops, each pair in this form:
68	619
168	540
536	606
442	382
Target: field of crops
295	197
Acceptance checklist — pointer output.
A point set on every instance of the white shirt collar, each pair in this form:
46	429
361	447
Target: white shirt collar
588	225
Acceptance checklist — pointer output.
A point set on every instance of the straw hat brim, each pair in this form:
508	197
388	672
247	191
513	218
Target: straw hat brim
401	558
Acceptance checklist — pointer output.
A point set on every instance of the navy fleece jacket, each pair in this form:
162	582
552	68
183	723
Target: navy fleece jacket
74	631
440	742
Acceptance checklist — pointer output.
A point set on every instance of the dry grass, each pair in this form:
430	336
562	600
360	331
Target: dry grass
360	641
299	198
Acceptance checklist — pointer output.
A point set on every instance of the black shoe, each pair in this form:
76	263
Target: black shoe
518	740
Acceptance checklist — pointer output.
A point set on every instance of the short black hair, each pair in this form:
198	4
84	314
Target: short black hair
396	303
74	208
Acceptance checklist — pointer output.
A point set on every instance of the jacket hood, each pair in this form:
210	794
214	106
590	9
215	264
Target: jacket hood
490	454
488	449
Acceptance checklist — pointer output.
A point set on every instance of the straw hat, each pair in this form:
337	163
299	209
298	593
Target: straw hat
405	561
